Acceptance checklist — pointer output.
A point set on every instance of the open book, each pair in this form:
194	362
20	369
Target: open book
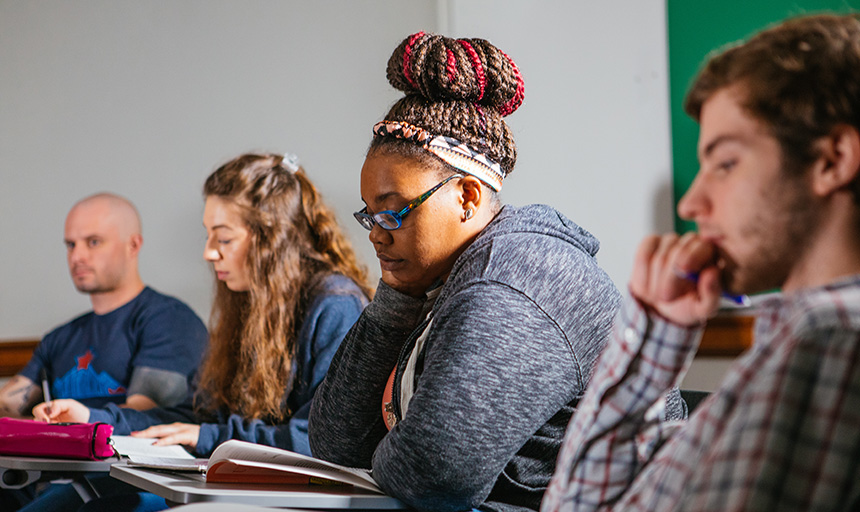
134	446
242	462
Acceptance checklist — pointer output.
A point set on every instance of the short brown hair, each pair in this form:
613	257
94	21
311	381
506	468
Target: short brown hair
801	78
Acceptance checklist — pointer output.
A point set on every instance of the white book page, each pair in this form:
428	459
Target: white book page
271	457
168	464
142	446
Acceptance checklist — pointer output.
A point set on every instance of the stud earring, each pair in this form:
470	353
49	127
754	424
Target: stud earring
468	214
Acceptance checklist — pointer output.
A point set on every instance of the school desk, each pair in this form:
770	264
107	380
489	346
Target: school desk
179	488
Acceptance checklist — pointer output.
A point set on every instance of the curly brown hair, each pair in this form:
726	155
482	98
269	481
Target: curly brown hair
459	88
800	78
295	242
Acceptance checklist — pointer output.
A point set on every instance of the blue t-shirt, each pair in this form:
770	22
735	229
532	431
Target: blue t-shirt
92	358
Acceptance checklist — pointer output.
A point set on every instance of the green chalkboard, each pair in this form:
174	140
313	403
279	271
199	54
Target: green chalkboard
696	27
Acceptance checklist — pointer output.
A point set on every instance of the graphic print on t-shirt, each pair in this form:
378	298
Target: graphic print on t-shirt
81	381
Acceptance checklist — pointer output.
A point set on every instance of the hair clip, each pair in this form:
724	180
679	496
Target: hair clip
290	162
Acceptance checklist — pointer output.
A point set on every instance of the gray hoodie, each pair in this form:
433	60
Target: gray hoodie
515	332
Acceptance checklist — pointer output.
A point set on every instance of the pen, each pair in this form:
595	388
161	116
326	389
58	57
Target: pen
740	300
46	391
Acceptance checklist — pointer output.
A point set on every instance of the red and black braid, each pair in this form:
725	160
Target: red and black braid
460	88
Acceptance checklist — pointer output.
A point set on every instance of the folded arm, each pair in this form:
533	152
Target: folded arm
154	387
619	424
346	415
18	396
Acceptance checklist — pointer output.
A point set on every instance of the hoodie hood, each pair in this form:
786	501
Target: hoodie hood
542	220
526	248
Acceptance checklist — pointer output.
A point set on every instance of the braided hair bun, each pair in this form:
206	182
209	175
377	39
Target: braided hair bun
460	88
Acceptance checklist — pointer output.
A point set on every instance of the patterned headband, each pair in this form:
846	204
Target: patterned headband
457	154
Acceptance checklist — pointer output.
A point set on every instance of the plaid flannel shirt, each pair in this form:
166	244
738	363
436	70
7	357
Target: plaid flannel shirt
781	433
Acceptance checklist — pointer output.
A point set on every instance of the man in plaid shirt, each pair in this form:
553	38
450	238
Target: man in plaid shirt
777	203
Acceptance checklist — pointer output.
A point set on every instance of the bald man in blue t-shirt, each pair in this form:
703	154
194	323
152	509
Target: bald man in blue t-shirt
136	347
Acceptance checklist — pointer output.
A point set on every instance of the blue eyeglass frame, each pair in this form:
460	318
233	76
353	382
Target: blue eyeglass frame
384	217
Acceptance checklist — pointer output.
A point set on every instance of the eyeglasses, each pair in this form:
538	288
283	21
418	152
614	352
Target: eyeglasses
391	220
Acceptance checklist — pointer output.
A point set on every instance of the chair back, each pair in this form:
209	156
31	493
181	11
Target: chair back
693	398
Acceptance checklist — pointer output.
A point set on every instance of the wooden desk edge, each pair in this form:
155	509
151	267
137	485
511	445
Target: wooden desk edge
14	355
727	336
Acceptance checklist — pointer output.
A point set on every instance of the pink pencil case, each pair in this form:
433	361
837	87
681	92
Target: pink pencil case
88	441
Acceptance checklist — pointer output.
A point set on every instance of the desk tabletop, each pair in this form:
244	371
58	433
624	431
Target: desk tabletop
17	472
54	465
191	487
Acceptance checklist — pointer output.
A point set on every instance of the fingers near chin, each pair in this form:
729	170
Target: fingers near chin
665	251
662	281
710	290
647	247
642	263
696	254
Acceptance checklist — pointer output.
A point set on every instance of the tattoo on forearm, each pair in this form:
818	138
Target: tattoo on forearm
18	397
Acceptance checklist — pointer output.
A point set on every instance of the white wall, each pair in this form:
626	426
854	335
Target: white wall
146	98
706	373
593	134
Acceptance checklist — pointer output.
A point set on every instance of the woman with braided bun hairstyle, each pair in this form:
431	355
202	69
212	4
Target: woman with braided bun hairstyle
457	382
288	287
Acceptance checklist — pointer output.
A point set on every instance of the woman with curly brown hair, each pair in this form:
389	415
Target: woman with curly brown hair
283	269
459	378
288	287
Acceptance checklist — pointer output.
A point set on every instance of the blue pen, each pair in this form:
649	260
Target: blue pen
740	300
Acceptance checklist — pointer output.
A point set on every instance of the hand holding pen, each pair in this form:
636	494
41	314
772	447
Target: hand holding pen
62	411
677	277
740	300
59	411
